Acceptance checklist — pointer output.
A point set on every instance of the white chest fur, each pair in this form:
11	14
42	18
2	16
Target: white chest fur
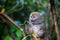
35	28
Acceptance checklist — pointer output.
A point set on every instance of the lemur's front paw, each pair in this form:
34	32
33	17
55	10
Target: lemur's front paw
26	22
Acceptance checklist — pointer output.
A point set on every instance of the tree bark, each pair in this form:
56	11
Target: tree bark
53	12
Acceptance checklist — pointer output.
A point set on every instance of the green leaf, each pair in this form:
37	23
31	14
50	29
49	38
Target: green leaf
19	33
7	38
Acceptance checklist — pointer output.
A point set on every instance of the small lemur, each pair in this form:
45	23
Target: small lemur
36	26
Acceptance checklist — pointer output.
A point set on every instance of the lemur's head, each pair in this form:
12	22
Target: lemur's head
34	16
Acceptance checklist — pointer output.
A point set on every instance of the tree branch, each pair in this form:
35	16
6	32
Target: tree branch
54	18
7	17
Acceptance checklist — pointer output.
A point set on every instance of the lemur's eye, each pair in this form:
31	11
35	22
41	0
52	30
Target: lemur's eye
32	16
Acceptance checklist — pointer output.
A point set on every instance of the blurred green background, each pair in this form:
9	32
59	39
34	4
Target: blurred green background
19	11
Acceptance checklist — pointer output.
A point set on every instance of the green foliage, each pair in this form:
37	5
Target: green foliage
20	10
15	30
19	34
7	38
54	35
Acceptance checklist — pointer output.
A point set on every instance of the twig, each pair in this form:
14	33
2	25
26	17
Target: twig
56	28
2	18
10	31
